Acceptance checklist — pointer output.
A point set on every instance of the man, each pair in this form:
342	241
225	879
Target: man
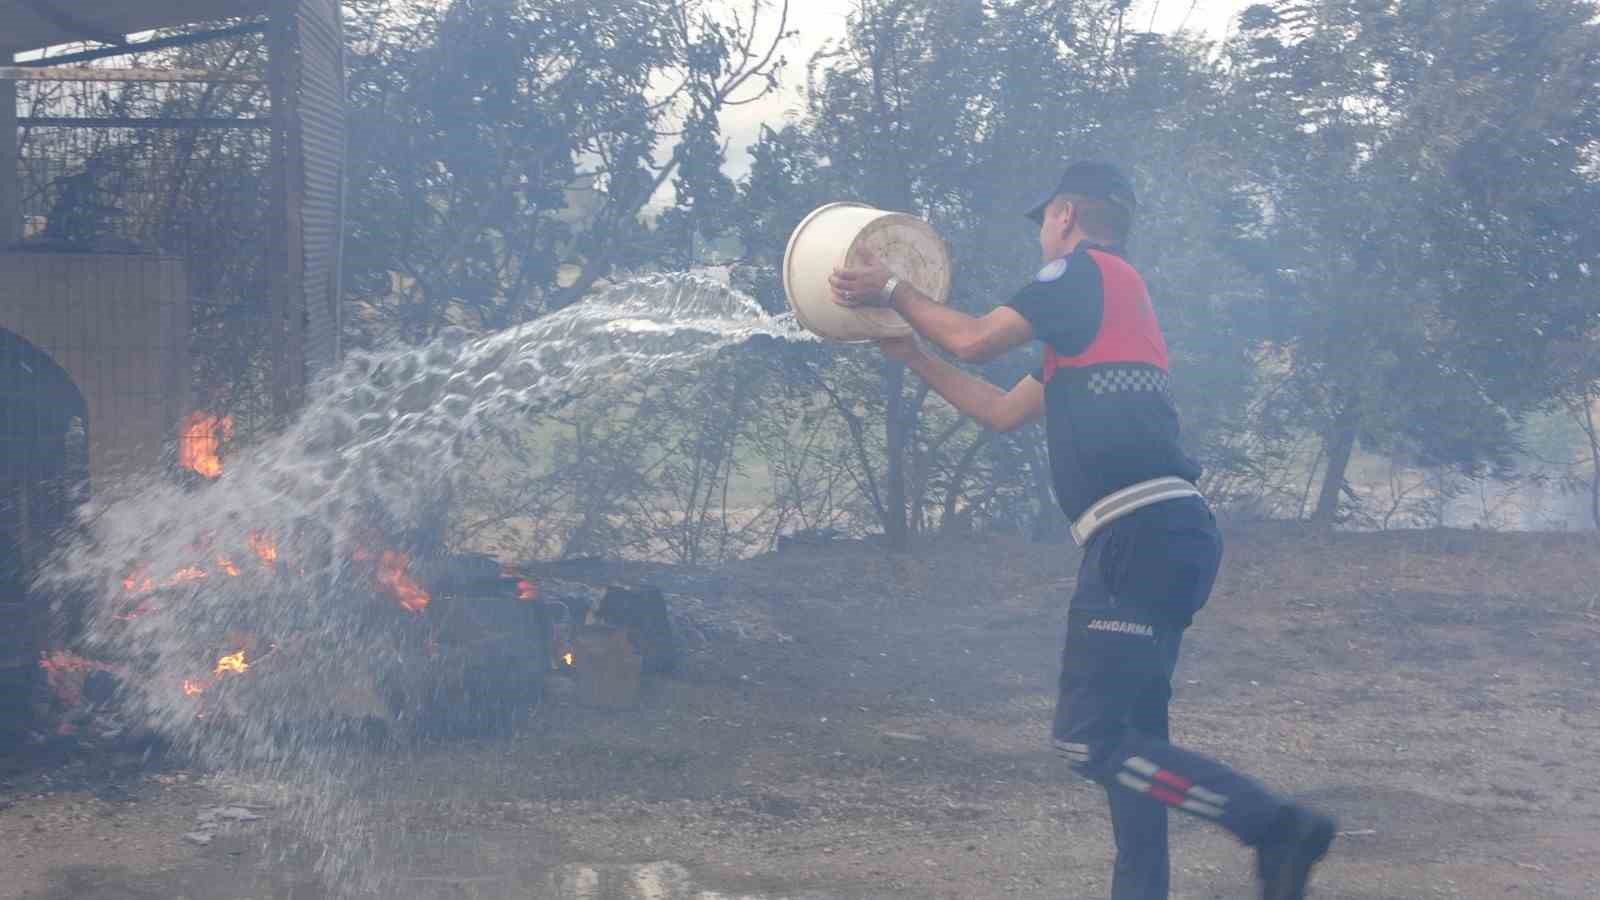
1151	547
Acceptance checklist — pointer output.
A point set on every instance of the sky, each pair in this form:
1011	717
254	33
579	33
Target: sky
818	21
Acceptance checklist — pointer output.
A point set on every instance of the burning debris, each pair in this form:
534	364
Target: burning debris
463	648
232	662
188	573
191	574
323	543
618	641
264	546
452	644
394	577
139	581
67	676
80	698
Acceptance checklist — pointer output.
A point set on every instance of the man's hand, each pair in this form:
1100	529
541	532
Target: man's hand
861	286
901	349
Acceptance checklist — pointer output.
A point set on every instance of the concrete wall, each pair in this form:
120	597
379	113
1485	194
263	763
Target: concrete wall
119	325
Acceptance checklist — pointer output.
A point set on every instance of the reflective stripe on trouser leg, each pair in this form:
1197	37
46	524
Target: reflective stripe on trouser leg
1170	788
1184	780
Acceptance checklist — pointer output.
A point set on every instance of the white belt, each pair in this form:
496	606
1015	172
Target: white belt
1114	506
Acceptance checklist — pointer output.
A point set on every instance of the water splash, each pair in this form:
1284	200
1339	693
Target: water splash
254	608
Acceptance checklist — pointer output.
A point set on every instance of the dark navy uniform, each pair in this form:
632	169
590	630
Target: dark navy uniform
1111	424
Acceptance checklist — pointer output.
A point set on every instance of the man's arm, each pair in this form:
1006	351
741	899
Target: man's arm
968	338
991	407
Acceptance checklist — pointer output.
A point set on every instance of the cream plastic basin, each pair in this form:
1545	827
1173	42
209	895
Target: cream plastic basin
834	236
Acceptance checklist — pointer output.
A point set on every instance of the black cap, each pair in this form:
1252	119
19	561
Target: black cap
1096	180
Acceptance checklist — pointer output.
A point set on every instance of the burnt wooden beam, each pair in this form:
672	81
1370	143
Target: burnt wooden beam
177	40
140	122
93	73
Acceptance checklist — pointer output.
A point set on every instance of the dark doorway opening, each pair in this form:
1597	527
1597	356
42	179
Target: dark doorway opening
44	478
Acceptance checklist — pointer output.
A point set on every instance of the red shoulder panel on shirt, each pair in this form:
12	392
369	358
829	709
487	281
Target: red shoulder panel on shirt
1129	332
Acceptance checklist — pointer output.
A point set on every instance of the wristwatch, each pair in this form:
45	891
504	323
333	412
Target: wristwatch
888	290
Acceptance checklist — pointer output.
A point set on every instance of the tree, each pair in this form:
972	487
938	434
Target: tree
1577	397
1586	410
505	149
1418	179
963	116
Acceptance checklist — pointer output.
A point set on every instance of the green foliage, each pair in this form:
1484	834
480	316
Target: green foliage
1418	176
503	151
964	120
1364	227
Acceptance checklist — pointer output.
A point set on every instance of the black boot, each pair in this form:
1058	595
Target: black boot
1298	839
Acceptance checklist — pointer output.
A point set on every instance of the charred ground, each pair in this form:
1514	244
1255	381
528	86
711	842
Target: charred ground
849	723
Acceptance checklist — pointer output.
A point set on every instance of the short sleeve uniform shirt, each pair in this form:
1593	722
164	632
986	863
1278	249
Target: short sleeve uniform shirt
1109	417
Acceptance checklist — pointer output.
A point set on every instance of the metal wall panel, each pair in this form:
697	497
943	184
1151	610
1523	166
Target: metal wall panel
320	106
10	183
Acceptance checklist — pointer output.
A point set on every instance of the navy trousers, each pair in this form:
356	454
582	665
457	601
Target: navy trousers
1142	579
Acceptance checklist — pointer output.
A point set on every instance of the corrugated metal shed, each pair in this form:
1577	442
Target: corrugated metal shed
301	250
321	143
308	89
307	86
32	24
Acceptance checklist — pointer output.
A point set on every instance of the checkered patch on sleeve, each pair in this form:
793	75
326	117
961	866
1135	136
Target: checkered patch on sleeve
1118	379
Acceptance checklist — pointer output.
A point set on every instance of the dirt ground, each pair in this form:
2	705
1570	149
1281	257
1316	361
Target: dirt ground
880	732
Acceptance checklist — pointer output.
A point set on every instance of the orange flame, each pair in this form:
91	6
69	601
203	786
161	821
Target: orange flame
392	575
200	440
227	567
527	590
192	688
264	545
233	662
567	658
186	574
139	580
